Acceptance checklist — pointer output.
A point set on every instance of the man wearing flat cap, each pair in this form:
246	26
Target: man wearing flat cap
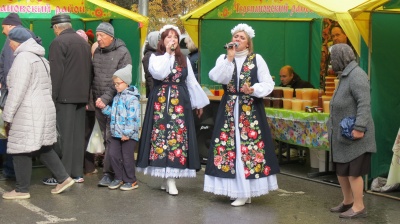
110	55
6	60
71	72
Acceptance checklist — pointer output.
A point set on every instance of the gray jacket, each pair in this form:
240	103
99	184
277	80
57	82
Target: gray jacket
105	62
351	98
29	106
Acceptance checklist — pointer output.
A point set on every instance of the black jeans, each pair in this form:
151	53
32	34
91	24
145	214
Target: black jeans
23	167
104	123
88	165
123	159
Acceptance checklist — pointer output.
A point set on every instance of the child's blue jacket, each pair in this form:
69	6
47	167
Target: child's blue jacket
125	114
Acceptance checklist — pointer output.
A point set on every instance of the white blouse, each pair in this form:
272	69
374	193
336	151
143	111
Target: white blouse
223	71
160	67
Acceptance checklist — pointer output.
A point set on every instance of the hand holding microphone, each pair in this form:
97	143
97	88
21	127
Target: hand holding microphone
171	47
231	45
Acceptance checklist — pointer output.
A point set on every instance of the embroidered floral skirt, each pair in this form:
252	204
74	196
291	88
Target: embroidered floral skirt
240	187
168	146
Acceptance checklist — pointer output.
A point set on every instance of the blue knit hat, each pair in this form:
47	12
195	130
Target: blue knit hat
19	34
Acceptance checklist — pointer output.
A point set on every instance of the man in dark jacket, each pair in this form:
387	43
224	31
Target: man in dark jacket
71	72
6	60
108	57
290	79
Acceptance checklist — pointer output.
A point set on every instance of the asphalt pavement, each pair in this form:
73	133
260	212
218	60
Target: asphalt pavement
297	201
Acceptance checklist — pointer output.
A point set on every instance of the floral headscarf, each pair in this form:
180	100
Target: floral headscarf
341	56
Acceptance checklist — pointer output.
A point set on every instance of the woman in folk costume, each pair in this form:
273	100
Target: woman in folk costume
168	145
241	163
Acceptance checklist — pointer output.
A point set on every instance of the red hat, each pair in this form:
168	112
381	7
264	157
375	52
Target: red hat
90	35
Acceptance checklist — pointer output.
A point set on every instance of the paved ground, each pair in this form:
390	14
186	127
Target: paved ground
297	201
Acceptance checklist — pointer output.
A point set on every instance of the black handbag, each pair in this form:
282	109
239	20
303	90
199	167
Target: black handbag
3	97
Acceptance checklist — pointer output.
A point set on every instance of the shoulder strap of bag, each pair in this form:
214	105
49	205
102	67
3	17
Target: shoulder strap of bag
44	65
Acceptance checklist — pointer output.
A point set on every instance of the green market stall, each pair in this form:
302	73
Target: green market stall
289	33
385	79
285	33
85	14
376	26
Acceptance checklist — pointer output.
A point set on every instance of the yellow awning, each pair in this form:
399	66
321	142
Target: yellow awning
363	18
353	16
191	20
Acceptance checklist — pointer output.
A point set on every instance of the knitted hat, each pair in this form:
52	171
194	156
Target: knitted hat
82	34
12	19
19	34
106	28
60	18
90	35
125	74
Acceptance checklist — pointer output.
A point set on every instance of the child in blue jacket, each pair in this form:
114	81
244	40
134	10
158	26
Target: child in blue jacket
124	125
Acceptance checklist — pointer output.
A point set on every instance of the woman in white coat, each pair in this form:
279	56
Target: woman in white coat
30	116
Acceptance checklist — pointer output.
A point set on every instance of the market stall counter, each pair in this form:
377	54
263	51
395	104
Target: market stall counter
301	129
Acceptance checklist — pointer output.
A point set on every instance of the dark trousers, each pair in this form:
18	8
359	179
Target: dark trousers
71	127
123	159
8	167
88	165
104	123
23	167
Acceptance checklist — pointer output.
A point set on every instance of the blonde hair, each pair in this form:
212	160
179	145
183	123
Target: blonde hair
190	44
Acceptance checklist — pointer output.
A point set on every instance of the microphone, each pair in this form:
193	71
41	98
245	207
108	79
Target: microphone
236	44
172	48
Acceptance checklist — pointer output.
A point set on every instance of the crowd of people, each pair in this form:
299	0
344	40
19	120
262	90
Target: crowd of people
52	106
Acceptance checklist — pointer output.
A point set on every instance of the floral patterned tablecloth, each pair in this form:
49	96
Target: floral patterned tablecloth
299	128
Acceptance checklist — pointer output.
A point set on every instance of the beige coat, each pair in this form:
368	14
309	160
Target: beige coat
29	107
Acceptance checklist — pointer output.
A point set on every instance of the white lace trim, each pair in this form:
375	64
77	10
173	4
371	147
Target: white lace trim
228	187
167	172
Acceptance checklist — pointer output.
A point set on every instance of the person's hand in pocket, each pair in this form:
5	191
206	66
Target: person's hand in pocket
357	134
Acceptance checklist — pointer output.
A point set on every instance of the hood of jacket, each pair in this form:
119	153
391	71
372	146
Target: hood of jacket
131	91
148	48
30	46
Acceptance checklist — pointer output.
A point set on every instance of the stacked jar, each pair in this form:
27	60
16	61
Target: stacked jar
305	98
268	100
330	86
277	95
287	98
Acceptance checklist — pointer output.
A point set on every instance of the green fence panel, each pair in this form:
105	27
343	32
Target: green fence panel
279	42
385	80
